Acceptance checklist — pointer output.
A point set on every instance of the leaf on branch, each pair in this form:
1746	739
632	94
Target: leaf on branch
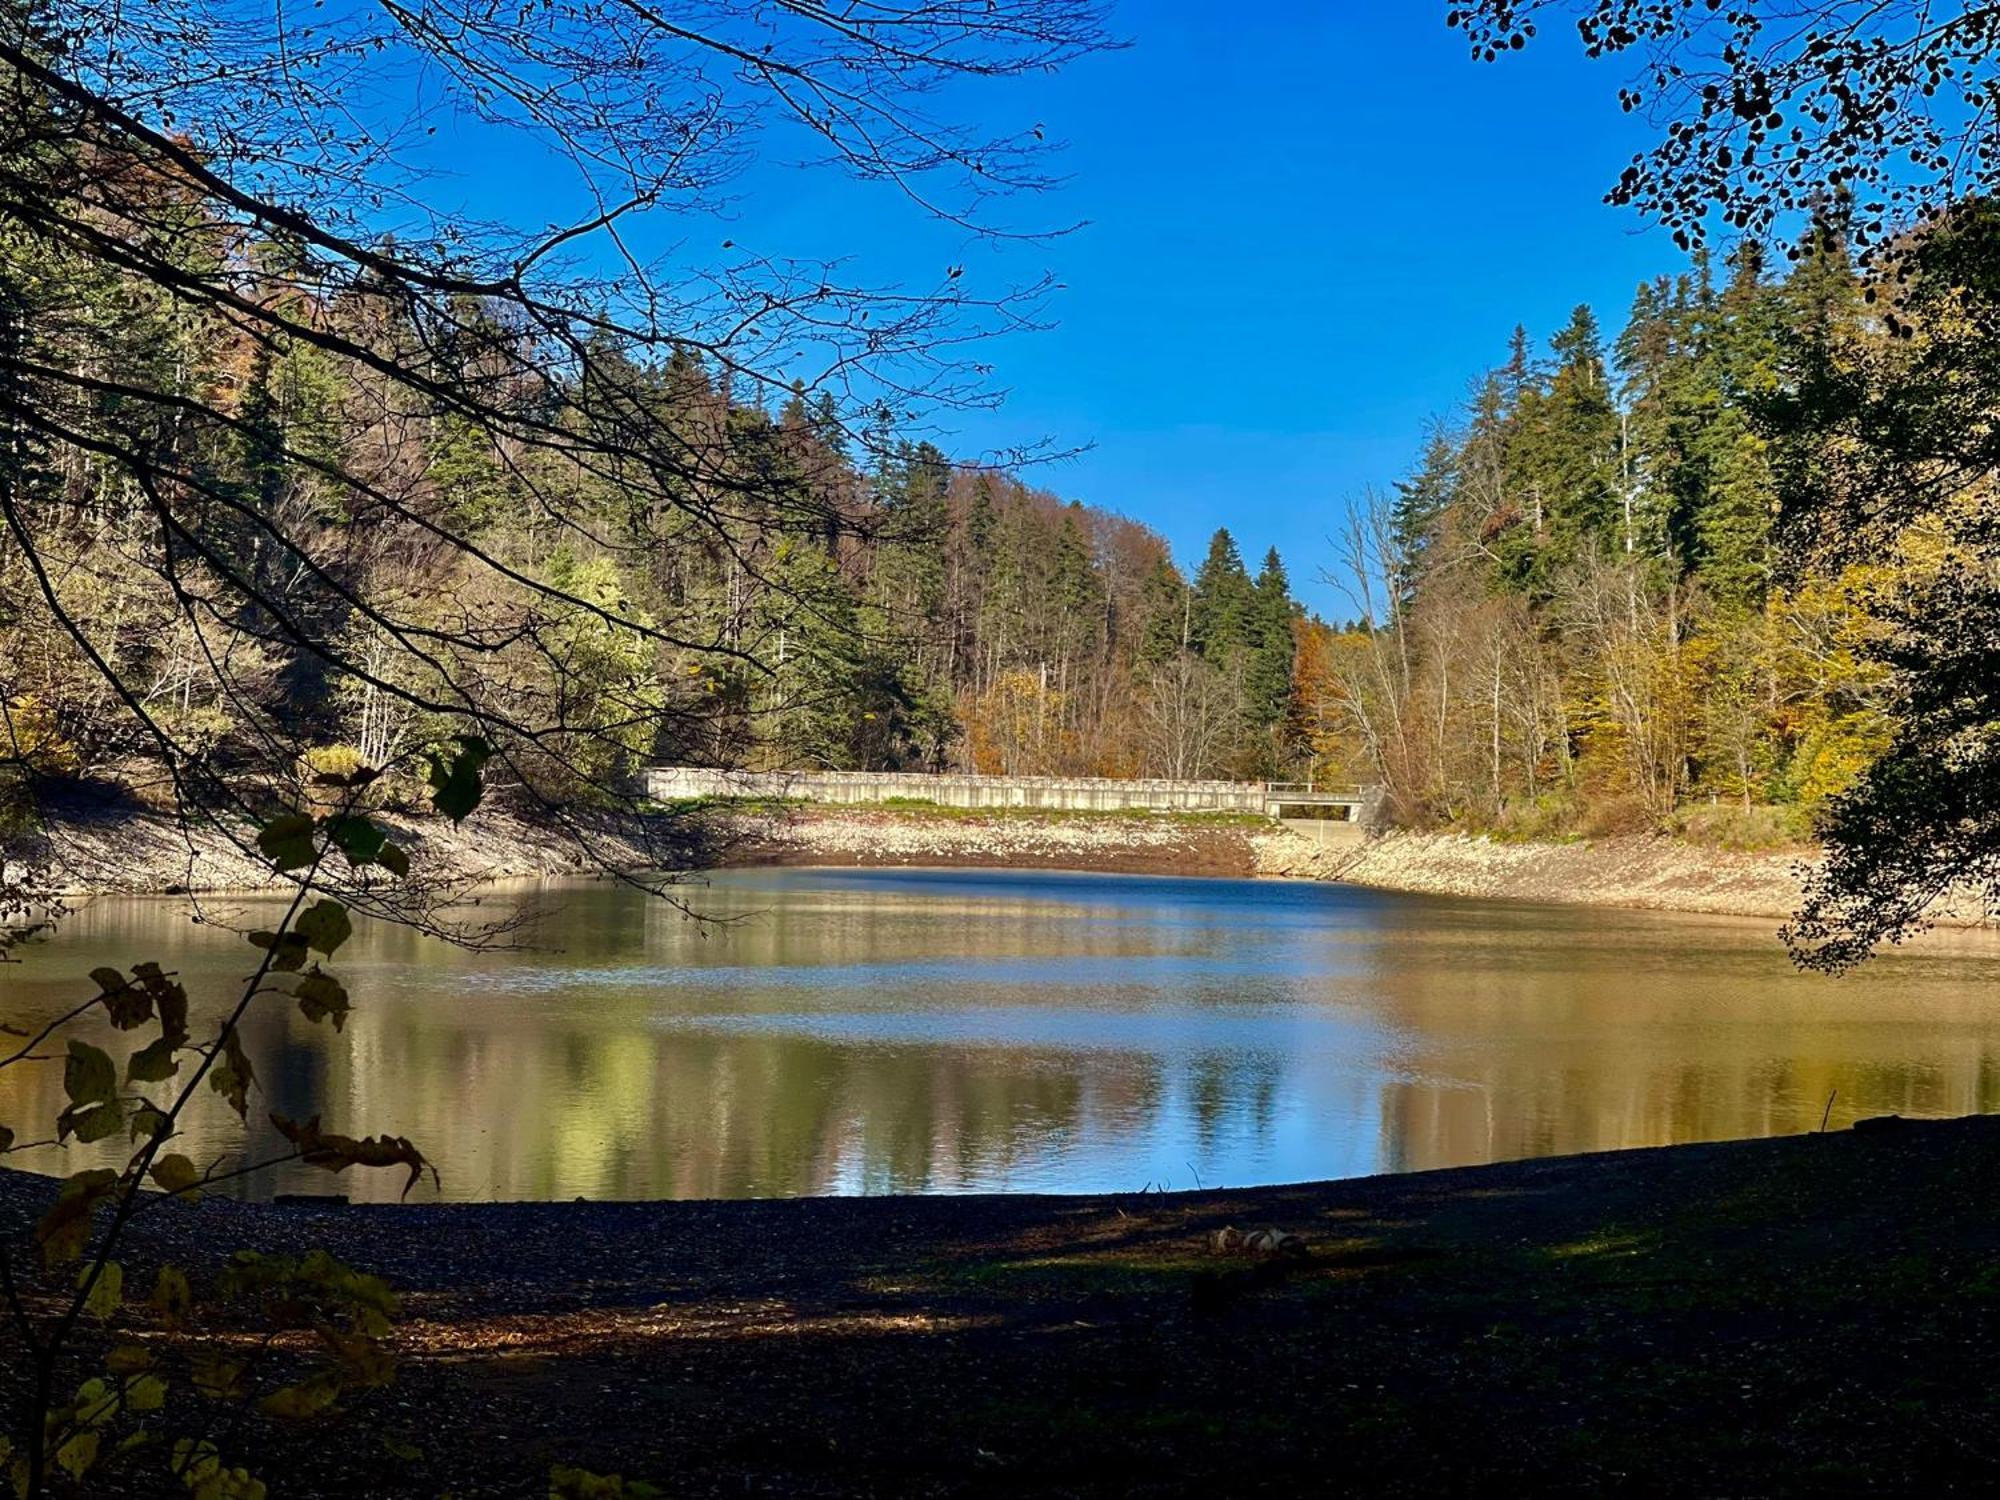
360	839
107	1293
147	1393
456	786
325	926
65	1229
129	1004
336	1153
199	1464
287	841
217	1376
169	999
128	1359
322	997
288	949
149	1121
153	1063
394	860
6	1140
171	1296
88	1077
233	1076
76	1456
98	1122
308	1398
175	1174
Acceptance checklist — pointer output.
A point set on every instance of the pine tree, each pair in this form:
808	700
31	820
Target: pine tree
1220	613
1267	677
1420	506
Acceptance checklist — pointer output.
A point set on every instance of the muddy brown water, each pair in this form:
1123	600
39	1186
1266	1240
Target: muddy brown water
951	1031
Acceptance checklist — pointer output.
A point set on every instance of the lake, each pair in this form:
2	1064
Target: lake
948	1031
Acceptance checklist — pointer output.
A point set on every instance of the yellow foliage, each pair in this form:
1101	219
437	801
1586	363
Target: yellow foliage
30	736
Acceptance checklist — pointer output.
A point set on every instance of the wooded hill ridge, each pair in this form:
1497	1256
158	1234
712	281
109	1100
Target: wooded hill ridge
1570	616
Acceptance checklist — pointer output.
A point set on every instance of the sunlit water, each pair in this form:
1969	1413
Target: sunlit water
875	1031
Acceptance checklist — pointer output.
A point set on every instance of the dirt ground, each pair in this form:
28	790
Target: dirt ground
1814	1315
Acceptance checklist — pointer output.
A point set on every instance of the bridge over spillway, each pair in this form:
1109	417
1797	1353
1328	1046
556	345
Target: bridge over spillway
1301	803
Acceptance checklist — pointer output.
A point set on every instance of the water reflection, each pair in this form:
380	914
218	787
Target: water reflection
877	1031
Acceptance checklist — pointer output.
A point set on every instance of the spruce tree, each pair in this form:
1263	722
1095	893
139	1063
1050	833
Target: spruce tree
1221	609
1267	677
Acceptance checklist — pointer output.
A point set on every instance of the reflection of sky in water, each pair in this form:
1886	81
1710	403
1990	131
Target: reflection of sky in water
894	1030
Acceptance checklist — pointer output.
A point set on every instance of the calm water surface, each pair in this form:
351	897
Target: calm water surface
874	1031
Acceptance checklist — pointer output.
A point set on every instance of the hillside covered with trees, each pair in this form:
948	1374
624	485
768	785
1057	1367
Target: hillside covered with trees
825	598
1575	613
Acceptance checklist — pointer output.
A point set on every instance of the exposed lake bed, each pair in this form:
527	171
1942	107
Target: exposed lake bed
1811	1315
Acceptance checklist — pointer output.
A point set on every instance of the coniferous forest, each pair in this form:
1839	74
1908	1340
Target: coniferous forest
1575	614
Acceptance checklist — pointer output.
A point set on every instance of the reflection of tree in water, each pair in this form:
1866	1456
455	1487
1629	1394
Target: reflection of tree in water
1532	1059
804	1054
1232	1088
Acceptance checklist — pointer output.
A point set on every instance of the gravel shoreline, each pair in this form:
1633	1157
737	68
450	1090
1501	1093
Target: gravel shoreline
1804	1315
136	852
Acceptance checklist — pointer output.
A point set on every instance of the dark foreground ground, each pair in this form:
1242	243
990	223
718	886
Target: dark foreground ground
1817	1315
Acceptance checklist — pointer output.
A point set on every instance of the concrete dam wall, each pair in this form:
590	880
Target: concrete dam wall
1354	805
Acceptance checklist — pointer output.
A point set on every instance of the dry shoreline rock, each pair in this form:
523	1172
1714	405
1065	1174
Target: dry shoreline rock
138	852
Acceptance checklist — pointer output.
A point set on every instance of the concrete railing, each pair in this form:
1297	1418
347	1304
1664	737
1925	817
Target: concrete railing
1055	793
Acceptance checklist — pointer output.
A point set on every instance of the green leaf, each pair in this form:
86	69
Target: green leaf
149	1121
147	1393
321	997
394	860
456	786
107	1293
395	1447
88	1077
152	1063
288	949
233	1076
76	1456
308	1398
288	841
6	1140
216	1376
129	1003
99	1122
358	838
175	1174
128	1359
169	999
65	1229
324	926
171	1296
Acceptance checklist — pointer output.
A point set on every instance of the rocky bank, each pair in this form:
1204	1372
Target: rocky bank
128	850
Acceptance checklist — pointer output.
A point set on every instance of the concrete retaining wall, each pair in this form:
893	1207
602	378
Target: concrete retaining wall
1058	793
1356	807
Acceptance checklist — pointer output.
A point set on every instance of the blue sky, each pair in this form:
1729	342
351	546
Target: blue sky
1310	225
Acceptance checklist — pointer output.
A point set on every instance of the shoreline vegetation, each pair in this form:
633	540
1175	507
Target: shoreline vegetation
1801	1314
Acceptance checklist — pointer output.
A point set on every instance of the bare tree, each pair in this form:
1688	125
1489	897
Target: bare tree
1190	716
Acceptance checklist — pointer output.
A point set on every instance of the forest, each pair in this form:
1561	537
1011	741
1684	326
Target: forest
1570	616
845	601
1575	614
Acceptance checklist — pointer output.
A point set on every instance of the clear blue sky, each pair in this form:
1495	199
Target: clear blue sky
1310	225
